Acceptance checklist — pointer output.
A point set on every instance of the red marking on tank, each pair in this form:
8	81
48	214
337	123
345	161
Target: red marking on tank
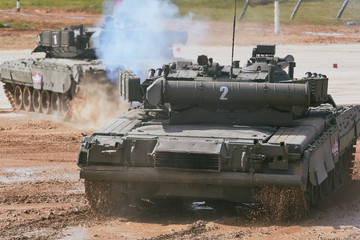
335	148
36	78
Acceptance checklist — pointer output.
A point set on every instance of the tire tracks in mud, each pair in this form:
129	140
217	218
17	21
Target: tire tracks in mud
40	209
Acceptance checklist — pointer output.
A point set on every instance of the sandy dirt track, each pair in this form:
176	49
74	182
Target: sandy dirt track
42	197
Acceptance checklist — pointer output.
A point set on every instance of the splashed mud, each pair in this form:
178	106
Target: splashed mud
97	103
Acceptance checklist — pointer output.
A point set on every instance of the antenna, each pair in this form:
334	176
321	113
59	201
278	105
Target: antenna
244	10
233	42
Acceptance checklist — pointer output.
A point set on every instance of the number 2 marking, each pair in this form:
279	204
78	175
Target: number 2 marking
225	91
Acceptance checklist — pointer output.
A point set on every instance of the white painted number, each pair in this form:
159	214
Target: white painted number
225	90
55	40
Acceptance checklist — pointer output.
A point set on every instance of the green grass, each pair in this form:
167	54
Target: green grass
28	25
92	6
314	12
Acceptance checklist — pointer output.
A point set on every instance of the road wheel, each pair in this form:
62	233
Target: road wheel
347	164
331	182
55	103
324	189
45	102
36	100
65	103
18	97
27	99
308	196
315	196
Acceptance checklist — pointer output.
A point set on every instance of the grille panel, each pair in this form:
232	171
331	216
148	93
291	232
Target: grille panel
82	158
188	161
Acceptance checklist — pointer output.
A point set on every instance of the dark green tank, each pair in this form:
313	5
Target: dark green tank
206	131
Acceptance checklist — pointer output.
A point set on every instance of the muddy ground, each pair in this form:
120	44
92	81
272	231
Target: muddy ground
42	197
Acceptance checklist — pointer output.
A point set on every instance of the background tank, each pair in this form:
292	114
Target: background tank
49	84
203	133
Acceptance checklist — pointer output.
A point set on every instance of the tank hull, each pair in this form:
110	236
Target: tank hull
211	160
47	84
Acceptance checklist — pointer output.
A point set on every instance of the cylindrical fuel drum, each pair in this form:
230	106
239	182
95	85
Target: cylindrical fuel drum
229	93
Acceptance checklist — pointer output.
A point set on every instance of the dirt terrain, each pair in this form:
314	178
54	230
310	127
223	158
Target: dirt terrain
41	196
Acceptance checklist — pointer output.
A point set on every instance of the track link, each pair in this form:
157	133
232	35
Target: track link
9	96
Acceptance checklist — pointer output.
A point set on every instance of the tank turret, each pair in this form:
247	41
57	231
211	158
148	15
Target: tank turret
72	42
259	93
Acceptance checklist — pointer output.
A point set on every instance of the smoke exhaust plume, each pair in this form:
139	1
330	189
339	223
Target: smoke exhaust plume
138	35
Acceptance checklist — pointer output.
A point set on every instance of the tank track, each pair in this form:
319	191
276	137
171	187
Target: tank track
9	96
283	204
339	176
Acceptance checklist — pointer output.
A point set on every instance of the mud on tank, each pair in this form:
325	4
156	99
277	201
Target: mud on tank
204	133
